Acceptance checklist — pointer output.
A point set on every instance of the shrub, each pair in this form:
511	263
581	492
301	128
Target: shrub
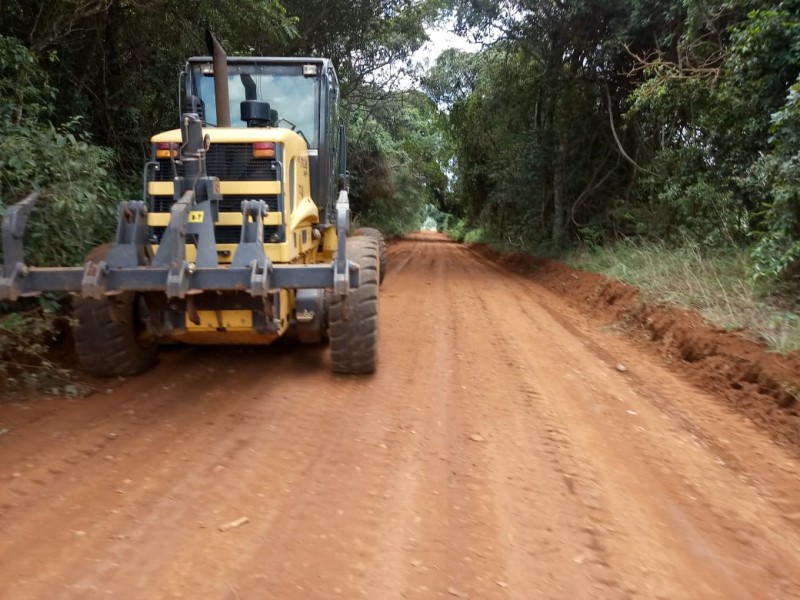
76	211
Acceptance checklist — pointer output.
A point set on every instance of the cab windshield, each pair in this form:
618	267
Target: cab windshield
284	87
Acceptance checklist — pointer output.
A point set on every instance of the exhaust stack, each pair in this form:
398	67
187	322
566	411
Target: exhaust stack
221	95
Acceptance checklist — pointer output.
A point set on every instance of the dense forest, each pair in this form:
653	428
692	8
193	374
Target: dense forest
659	119
580	124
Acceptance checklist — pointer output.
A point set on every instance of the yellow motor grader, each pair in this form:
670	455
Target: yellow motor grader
241	234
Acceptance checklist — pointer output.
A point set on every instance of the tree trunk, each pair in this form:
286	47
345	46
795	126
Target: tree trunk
559	189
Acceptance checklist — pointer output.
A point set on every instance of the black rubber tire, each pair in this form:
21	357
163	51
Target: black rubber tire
354	318
382	251
108	347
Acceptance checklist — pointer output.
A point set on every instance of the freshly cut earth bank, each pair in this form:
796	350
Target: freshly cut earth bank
763	385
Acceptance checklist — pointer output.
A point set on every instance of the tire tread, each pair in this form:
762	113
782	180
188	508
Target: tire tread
354	317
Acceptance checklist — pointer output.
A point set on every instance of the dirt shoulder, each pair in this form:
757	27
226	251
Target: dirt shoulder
762	385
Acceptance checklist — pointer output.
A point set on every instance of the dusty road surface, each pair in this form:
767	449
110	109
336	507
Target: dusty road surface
498	453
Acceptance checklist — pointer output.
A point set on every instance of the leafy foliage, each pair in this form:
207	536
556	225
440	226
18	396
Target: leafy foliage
116	63
75	212
655	119
777	250
397	156
78	194
369	41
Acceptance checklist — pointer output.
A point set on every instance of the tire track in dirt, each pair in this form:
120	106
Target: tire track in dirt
701	416
180	461
551	489
735	528
417	501
451	548
495	454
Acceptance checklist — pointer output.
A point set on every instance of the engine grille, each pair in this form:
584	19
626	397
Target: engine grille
228	234
162	204
228	162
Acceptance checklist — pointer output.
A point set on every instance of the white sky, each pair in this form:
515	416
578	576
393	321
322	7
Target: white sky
441	39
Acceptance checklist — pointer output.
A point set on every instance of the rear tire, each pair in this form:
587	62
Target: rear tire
382	251
354	317
111	340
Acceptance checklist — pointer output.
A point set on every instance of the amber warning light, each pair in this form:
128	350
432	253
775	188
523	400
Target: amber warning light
166	150
264	150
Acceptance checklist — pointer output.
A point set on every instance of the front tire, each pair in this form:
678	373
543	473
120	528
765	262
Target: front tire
383	253
354	317
111	339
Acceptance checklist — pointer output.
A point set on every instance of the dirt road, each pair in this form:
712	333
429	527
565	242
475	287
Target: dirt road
498	453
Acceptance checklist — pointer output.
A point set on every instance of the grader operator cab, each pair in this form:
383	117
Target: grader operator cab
241	234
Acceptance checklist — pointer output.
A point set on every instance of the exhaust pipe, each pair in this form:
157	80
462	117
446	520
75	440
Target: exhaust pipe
221	95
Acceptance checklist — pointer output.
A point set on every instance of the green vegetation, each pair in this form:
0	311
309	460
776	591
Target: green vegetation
716	283
25	361
657	140
78	198
586	123
78	193
580	123
396	158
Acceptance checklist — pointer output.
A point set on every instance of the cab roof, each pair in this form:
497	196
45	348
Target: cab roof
285	60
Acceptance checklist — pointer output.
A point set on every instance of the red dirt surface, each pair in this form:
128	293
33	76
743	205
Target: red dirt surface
764	386
497	453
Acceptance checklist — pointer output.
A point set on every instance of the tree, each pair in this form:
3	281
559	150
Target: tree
116	62
71	174
369	41
653	118
398	153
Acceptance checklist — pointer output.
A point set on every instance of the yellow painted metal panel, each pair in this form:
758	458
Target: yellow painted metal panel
330	239
158	219
246	188
306	211
236	188
236	135
277	253
285	308
231	320
160	188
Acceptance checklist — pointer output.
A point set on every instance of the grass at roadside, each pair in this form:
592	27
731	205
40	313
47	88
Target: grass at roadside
714	283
